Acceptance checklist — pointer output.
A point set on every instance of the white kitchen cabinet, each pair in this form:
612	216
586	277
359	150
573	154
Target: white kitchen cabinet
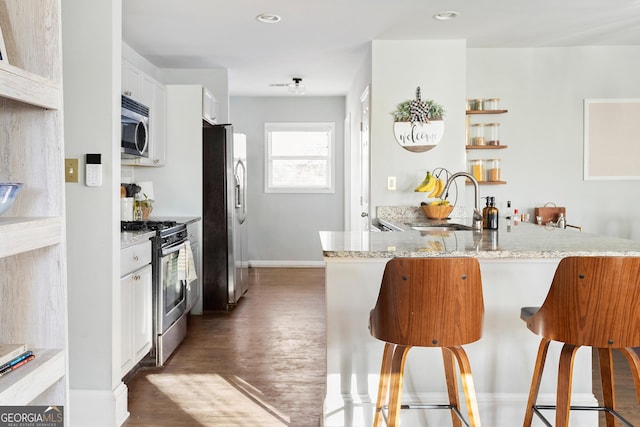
209	106
32	250
135	305
131	81
148	91
158	149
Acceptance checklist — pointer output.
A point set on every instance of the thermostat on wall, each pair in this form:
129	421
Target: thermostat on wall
93	170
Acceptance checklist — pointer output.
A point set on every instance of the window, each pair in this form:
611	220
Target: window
299	157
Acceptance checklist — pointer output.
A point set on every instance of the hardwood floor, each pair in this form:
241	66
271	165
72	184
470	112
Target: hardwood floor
264	365
626	400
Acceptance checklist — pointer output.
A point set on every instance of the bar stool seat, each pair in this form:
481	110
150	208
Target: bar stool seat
595	302
427	302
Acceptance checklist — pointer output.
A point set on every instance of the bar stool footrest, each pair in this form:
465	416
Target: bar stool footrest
537	408
427	406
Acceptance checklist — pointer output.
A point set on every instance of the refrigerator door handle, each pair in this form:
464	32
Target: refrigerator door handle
238	198
241	190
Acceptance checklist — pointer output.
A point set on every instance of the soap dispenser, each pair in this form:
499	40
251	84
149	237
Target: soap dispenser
485	213
492	214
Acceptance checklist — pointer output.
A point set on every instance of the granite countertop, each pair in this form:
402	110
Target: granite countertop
524	240
131	238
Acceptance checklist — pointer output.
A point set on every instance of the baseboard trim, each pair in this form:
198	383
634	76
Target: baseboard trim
287	264
96	408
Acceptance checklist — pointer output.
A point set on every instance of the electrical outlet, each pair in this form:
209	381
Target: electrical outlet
391	183
71	170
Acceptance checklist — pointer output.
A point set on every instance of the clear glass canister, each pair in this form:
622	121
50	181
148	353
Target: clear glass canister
492	133
478	104
477	134
492	104
476	168
493	169
469	104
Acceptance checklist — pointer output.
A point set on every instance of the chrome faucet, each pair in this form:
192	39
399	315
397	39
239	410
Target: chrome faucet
477	215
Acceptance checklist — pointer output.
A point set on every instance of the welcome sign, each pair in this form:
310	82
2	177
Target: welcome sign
418	137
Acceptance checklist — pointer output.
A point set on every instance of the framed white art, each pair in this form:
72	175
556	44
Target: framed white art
611	139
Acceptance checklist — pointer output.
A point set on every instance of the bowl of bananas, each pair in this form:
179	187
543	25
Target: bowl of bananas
440	209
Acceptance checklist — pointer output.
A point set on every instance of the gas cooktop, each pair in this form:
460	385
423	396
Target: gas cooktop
146	225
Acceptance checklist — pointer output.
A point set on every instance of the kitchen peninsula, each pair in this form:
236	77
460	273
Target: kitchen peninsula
517	264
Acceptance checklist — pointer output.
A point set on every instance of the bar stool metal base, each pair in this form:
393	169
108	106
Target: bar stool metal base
455	410
537	408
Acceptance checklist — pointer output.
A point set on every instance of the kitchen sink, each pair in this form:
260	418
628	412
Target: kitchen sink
441	227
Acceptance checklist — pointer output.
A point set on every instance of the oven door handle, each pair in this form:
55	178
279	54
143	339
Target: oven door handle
172	249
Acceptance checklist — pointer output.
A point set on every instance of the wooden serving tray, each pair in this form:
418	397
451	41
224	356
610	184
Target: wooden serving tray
550	213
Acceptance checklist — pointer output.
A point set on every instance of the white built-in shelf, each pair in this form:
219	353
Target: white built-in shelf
21	386
25	234
29	88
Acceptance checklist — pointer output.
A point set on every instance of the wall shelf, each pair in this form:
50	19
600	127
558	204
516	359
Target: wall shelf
485	147
29	88
482	147
32	248
28	381
487	182
487	111
24	234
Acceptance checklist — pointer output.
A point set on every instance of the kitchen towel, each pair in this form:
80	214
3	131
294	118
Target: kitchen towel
186	265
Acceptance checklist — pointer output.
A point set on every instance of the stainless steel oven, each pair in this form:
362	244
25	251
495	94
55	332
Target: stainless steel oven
169	287
171	298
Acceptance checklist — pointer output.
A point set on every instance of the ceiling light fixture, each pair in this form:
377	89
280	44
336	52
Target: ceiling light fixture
296	88
268	18
446	15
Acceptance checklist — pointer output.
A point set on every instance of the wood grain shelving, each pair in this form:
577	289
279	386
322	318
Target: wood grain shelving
487	111
32	252
485	147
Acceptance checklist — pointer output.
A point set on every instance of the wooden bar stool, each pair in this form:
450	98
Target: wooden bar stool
595	302
427	302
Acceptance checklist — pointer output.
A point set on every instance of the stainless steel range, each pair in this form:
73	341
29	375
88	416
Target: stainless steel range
169	286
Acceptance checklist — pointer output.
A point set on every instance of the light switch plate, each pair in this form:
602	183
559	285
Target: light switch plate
71	170
391	183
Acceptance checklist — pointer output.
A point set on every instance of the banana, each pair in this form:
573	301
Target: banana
438	189
427	183
441	190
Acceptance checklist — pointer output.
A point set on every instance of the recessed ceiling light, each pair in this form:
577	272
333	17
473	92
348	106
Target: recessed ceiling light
446	15
268	18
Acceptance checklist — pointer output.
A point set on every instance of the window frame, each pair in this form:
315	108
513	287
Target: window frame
270	127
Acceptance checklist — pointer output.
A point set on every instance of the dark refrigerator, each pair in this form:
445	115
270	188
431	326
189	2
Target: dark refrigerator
224	213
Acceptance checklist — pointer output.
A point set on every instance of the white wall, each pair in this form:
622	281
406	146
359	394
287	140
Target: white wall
91	66
352	149
544	90
283	228
177	187
398	67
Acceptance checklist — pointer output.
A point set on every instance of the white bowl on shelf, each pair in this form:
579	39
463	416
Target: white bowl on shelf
8	193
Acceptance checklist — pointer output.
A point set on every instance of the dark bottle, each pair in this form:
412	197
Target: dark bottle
485	213
492	215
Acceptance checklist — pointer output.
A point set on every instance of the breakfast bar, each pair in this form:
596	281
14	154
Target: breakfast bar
517	264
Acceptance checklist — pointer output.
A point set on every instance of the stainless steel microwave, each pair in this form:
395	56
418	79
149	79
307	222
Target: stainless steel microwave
135	129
